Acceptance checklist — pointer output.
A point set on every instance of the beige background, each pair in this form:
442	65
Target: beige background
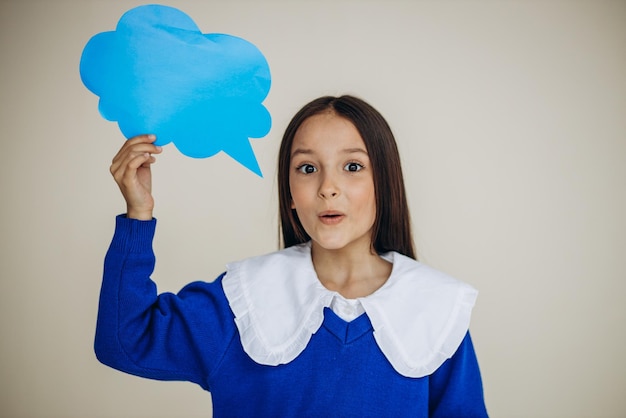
511	120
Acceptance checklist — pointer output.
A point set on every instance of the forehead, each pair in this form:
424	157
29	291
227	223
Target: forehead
327	130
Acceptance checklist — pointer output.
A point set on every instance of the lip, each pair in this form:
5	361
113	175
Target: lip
331	217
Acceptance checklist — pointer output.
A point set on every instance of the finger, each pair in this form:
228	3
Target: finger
147	138
127	173
142	143
132	161
141	160
151	160
129	143
123	157
127	153
135	149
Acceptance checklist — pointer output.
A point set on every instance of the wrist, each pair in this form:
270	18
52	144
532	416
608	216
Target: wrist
141	215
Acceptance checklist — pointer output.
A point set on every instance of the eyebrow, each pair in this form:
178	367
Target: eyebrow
306	151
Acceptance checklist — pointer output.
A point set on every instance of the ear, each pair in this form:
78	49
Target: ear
293	205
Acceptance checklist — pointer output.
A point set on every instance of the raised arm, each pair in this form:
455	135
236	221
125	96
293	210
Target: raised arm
160	336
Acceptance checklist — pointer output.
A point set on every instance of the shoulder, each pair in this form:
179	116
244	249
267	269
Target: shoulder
278	303
297	256
420	316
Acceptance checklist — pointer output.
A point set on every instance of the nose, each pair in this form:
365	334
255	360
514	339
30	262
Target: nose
328	187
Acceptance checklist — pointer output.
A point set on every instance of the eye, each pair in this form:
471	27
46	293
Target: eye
353	167
306	169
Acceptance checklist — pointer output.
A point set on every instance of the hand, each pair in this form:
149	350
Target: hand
131	171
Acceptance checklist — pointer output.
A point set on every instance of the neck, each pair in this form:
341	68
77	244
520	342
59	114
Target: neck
352	272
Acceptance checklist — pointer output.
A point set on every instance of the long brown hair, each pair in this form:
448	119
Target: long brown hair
392	226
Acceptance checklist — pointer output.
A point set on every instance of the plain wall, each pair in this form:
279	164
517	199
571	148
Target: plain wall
511	121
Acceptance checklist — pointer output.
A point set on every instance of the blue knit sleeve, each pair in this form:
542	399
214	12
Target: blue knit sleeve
166	336
456	388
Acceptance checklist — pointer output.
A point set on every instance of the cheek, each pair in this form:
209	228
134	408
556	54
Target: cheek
299	201
365	194
367	201
296	192
372	206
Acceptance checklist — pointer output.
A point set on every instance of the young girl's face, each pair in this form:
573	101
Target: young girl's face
331	183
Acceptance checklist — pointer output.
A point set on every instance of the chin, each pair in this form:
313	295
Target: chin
337	244
330	244
338	241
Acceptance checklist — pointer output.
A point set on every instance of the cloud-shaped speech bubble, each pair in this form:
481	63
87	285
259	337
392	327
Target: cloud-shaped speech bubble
158	73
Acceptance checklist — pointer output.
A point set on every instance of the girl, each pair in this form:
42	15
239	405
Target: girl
342	322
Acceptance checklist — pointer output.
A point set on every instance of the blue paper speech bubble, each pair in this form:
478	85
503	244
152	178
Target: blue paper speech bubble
158	73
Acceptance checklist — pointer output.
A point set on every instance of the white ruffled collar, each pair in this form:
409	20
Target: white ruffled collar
419	316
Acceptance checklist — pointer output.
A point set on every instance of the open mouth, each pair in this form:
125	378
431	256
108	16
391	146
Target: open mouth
330	218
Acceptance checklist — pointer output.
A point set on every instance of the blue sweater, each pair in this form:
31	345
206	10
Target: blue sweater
192	336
